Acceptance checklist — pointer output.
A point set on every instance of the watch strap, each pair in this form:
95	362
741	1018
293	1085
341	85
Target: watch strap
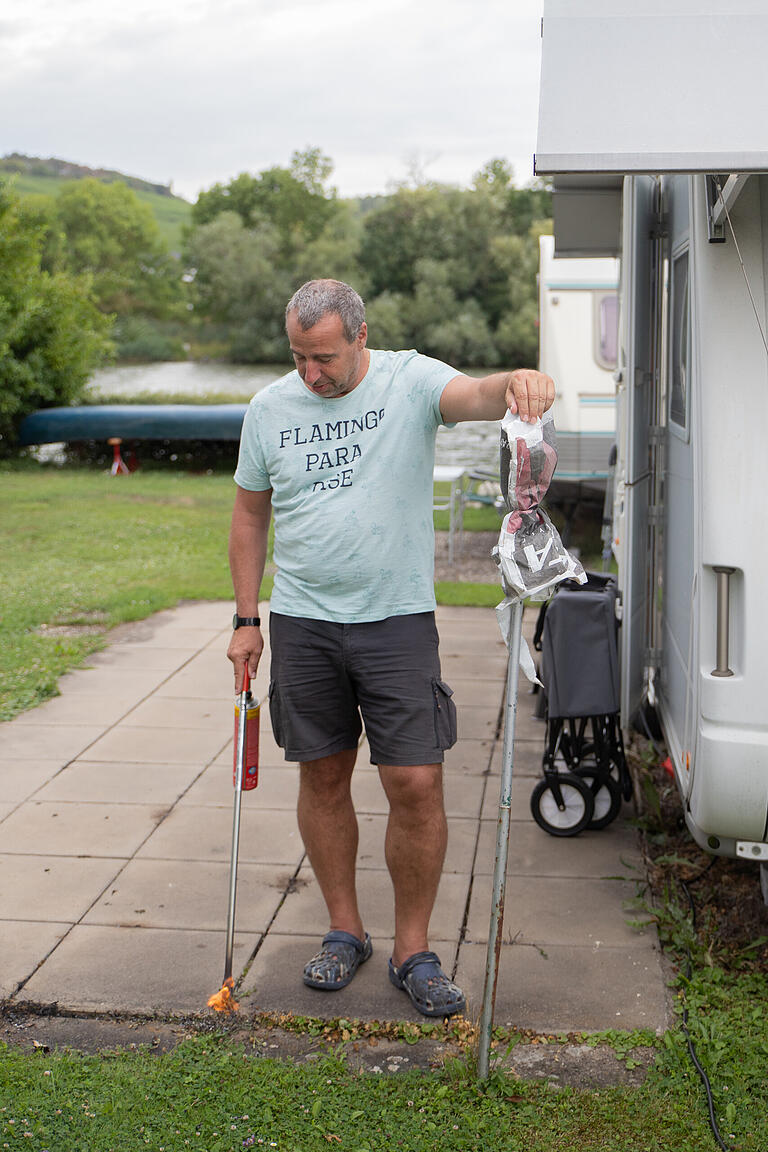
246	622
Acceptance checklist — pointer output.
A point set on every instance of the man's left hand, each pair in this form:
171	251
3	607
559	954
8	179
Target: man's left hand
529	393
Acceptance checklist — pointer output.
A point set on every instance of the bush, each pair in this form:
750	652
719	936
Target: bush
138	338
51	334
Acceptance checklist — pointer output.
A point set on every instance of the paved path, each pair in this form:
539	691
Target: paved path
115	832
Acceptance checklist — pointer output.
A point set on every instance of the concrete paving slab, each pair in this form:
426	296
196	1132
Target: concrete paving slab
568	989
303	911
208	677
278	787
190	894
610	852
473	638
477	723
157	745
168	635
135	657
20	779
55	744
274	984
526	762
199	614
23	944
183	713
136	684
55	888
486	693
65	829
527	728
520	796
112	782
140	970
165	908
469	757
487	666
462	834
560	910
205	833
78	709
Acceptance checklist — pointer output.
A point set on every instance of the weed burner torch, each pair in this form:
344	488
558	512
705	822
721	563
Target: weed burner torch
245	777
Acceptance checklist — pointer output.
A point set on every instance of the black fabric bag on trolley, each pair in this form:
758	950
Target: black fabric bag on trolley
577	635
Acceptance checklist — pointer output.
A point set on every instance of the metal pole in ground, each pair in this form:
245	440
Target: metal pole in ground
502	841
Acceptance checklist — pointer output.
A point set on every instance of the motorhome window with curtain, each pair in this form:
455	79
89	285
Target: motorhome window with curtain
606	329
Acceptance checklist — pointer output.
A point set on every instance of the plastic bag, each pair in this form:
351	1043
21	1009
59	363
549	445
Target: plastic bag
530	552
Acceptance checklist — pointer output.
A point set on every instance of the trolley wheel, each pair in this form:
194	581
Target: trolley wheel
569	817
606	793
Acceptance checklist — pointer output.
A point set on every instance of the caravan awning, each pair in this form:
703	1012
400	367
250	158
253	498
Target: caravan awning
653	86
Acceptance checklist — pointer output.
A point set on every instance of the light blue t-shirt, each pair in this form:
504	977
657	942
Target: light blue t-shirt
351	481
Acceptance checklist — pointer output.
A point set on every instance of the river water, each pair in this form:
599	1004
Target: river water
472	445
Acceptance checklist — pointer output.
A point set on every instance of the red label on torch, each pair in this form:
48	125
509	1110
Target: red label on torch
251	765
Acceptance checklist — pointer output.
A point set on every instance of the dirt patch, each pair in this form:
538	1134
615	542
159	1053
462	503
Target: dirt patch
82	624
730	915
565	1065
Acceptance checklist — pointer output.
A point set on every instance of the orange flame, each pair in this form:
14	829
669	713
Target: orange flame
223	1001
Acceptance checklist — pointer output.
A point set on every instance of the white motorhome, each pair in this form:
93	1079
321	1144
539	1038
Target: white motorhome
578	330
652	128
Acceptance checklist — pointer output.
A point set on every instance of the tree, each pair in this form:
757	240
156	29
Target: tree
237	283
295	200
114	238
51	334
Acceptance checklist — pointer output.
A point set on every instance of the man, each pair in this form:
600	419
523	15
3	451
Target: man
342	451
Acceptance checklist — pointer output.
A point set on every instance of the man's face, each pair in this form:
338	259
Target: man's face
328	364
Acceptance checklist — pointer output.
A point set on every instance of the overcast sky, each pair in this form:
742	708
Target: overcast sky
195	91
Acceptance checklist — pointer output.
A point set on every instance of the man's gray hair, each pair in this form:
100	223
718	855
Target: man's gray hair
319	298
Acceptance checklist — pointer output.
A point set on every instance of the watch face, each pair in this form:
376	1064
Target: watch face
234	621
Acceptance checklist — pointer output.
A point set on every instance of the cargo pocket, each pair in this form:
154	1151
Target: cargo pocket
274	714
445	715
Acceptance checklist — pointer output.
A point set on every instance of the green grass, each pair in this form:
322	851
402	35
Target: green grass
84	548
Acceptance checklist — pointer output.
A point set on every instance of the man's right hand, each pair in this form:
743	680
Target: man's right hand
247	644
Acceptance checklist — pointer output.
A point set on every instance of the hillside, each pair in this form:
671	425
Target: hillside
31	175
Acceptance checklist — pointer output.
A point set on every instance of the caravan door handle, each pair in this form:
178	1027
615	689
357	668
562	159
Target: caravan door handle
723	577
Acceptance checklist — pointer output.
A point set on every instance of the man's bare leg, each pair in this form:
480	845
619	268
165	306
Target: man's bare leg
328	827
417	836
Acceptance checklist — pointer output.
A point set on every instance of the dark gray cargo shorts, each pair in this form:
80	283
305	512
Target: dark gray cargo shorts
325	675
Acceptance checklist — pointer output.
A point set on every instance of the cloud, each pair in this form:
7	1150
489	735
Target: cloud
199	91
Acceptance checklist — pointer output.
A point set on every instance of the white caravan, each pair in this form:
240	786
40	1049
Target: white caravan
652	128
578	330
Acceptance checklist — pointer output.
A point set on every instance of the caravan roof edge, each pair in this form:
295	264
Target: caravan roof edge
650	164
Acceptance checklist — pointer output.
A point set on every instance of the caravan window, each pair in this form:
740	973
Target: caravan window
606	329
680	345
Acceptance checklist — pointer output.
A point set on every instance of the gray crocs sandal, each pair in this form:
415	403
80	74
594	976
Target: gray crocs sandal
337	961
428	987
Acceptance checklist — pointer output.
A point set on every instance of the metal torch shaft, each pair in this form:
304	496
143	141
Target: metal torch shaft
242	728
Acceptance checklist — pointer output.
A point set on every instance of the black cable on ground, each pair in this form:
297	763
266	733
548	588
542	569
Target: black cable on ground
691	1049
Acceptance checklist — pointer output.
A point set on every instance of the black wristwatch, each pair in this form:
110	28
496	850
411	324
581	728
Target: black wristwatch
245	622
